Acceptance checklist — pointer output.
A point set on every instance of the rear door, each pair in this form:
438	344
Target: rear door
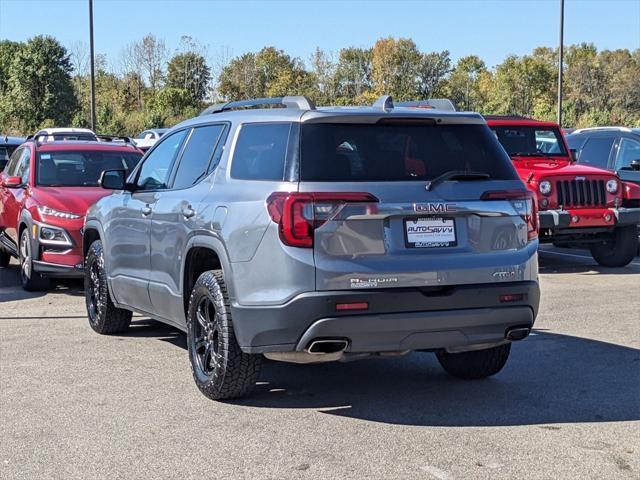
417	231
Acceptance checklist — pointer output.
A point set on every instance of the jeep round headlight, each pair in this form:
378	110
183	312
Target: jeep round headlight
545	187
612	186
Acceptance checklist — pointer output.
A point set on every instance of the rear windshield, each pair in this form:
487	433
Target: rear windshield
398	152
530	141
80	168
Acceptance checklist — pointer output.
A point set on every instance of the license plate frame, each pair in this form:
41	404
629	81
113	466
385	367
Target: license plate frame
443	241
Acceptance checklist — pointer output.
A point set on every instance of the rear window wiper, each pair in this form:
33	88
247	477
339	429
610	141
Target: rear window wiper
457	175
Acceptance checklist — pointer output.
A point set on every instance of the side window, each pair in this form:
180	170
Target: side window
629	150
25	166
260	151
596	151
197	155
155	171
13	162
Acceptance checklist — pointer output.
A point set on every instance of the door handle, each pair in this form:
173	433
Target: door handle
146	210
188	212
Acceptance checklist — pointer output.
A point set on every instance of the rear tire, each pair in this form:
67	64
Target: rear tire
620	250
5	258
220	368
475	364
31	280
104	317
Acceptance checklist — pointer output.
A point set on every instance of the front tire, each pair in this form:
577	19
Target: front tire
104	317
31	280
220	368
475	364
620	250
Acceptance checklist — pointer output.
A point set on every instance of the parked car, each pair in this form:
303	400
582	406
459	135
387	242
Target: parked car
7	146
613	148
580	205
45	191
146	139
311	234
58	134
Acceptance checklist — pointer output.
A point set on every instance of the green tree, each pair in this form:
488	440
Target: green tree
463	84
39	84
353	74
395	68
189	71
431	72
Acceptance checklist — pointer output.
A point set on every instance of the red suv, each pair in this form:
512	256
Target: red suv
579	205
45	190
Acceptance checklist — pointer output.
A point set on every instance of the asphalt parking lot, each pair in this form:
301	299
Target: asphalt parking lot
78	405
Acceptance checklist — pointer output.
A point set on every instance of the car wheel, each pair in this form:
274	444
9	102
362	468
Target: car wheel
620	250
31	280
5	258
104	317
475	364
220	368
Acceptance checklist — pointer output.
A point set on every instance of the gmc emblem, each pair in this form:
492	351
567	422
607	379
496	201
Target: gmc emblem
434	207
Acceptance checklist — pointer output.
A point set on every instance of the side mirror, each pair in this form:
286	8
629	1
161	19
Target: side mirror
12	182
113	180
635	165
574	154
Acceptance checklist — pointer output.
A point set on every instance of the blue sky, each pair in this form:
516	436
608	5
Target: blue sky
491	29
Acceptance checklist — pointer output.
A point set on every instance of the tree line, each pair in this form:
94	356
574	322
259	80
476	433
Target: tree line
43	83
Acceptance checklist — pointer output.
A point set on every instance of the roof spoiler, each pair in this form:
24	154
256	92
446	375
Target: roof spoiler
299	102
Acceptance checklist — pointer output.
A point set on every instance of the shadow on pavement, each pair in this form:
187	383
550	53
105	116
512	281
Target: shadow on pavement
564	260
11	290
550	378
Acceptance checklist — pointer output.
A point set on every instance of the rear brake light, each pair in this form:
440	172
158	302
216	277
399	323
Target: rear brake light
299	214
524	202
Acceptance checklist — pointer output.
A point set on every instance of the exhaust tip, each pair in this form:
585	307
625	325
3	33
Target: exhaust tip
321	347
517	333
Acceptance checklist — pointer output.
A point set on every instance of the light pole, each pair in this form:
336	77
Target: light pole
92	80
560	60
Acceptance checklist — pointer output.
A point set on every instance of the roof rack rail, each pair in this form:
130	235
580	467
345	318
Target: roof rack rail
298	101
385	102
606	128
435	103
115	138
506	117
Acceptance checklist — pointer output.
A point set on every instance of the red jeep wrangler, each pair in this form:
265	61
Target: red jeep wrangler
579	206
45	191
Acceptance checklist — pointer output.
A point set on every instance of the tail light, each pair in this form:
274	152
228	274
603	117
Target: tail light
299	214
524	202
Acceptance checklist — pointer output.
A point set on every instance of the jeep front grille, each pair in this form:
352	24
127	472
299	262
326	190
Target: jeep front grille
575	193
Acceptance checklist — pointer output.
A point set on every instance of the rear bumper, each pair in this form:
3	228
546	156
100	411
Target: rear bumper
397	319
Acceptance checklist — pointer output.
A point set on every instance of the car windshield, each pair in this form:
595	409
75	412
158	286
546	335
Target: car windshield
526	141
80	168
399	151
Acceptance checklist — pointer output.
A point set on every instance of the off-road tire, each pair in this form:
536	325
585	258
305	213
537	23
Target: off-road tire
104	317
209	326
5	258
31	280
475	364
620	250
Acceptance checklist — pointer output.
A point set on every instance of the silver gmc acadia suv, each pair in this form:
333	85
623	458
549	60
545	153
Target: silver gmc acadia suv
274	228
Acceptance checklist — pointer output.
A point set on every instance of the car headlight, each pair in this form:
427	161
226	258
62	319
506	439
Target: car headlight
51	212
612	186
545	187
54	236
